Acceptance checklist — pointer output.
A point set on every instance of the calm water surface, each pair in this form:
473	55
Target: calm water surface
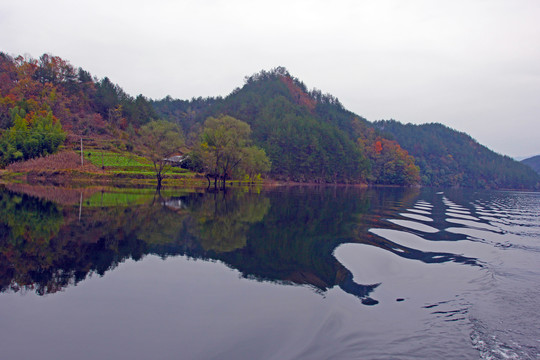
286	273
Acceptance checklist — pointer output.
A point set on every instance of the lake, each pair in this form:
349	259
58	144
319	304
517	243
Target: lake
282	273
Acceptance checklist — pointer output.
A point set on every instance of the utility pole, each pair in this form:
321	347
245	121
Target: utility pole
102	149
80	208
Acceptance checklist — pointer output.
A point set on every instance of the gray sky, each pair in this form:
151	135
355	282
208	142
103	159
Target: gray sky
471	65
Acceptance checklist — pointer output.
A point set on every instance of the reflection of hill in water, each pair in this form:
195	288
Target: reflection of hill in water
286	235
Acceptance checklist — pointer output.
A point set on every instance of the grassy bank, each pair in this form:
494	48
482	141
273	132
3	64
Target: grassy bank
119	168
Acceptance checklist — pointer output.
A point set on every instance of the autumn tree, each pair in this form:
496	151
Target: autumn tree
391	164
158	140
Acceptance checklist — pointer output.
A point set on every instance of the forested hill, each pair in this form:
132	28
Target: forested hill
450	158
533	162
84	105
308	136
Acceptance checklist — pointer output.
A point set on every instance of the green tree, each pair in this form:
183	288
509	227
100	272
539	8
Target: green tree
225	144
256	162
160	139
32	135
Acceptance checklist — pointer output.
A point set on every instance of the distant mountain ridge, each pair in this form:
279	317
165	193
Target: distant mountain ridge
533	162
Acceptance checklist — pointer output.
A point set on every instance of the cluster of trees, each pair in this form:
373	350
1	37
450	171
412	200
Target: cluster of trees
81	103
32	135
226	150
390	163
223	152
29	100
189	114
119	108
448	158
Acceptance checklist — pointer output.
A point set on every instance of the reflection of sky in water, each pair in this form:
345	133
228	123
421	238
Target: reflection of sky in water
461	216
455	211
419	211
414	225
416	217
473	224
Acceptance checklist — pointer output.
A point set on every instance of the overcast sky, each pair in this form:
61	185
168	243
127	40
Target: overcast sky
471	65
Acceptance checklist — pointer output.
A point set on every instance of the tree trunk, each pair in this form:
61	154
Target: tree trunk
159	178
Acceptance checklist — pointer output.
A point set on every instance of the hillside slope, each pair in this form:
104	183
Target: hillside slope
85	106
449	158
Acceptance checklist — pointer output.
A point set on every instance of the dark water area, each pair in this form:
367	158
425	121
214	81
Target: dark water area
281	273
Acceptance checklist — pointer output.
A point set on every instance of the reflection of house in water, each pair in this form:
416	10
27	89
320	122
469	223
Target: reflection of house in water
175	203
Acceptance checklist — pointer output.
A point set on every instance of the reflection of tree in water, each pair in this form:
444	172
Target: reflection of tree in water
223	219
28	227
287	235
45	248
295	241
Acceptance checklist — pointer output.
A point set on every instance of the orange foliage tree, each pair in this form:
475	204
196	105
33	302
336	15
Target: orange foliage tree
391	164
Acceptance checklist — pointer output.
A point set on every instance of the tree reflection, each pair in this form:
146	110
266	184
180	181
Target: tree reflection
222	220
287	235
28	232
